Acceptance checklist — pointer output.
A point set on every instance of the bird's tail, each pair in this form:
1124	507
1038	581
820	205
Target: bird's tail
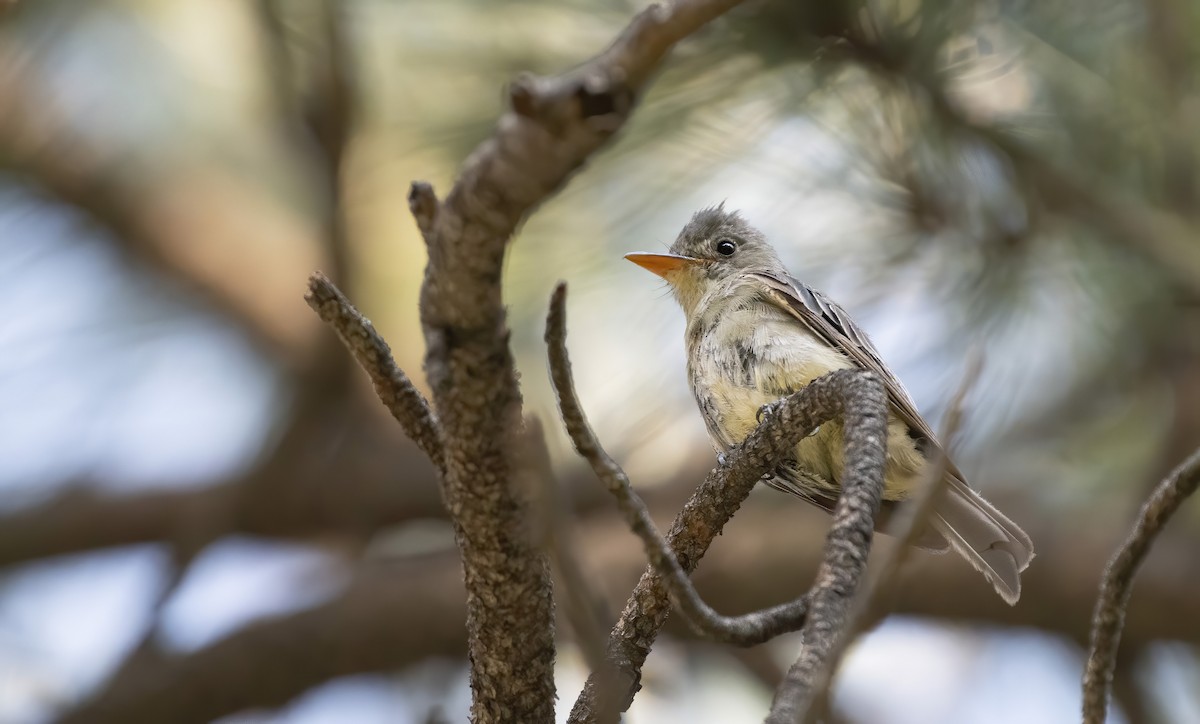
991	542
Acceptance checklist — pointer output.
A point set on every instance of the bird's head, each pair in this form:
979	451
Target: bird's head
712	247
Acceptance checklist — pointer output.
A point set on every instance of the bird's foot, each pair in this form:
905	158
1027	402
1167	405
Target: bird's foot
770	407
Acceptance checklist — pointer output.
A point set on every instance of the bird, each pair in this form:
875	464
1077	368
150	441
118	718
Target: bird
755	334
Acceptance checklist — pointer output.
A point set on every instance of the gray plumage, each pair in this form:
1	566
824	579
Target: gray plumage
755	334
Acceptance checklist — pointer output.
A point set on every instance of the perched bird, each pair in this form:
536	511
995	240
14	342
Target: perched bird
755	334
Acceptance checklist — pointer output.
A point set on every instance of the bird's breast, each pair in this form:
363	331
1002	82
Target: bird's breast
744	357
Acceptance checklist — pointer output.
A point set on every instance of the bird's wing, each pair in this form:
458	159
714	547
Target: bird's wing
828	321
993	544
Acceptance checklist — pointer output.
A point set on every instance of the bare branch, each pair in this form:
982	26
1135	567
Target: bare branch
553	126
846	548
907	527
856	394
747	630
423	204
394	388
1117	585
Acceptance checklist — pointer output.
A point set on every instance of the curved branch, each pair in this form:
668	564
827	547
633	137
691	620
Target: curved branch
856	394
846	548
906	528
747	630
1109	617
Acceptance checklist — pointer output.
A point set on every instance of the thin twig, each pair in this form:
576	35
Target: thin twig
585	608
907	526
747	630
1115	589
394	388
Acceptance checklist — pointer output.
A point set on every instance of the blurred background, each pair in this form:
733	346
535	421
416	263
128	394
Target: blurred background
192	469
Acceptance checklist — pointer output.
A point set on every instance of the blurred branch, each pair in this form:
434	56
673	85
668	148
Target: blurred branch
1116	588
366	628
394	388
1164	237
748	630
326	111
1129	693
553	125
380	622
199	527
342	481
586	610
45	148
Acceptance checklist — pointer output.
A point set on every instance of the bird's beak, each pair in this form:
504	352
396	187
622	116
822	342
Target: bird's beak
661	264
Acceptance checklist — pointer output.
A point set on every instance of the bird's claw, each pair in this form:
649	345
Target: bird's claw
814	432
721	459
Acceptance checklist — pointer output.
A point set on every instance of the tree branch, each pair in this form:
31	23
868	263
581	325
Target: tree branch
846	548
553	126
906	528
855	393
747	630
585	609
394	388
375	625
349	633
1115	589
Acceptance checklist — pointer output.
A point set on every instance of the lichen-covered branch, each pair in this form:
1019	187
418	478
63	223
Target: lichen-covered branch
747	630
1117	585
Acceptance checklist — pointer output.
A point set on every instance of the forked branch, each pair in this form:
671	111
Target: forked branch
747	630
857	396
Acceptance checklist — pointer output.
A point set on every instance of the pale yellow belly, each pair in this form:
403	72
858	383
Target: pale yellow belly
786	358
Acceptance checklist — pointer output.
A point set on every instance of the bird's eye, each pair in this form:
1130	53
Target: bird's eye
726	247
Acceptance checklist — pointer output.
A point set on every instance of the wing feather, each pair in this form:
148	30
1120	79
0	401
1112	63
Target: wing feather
828	321
982	534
